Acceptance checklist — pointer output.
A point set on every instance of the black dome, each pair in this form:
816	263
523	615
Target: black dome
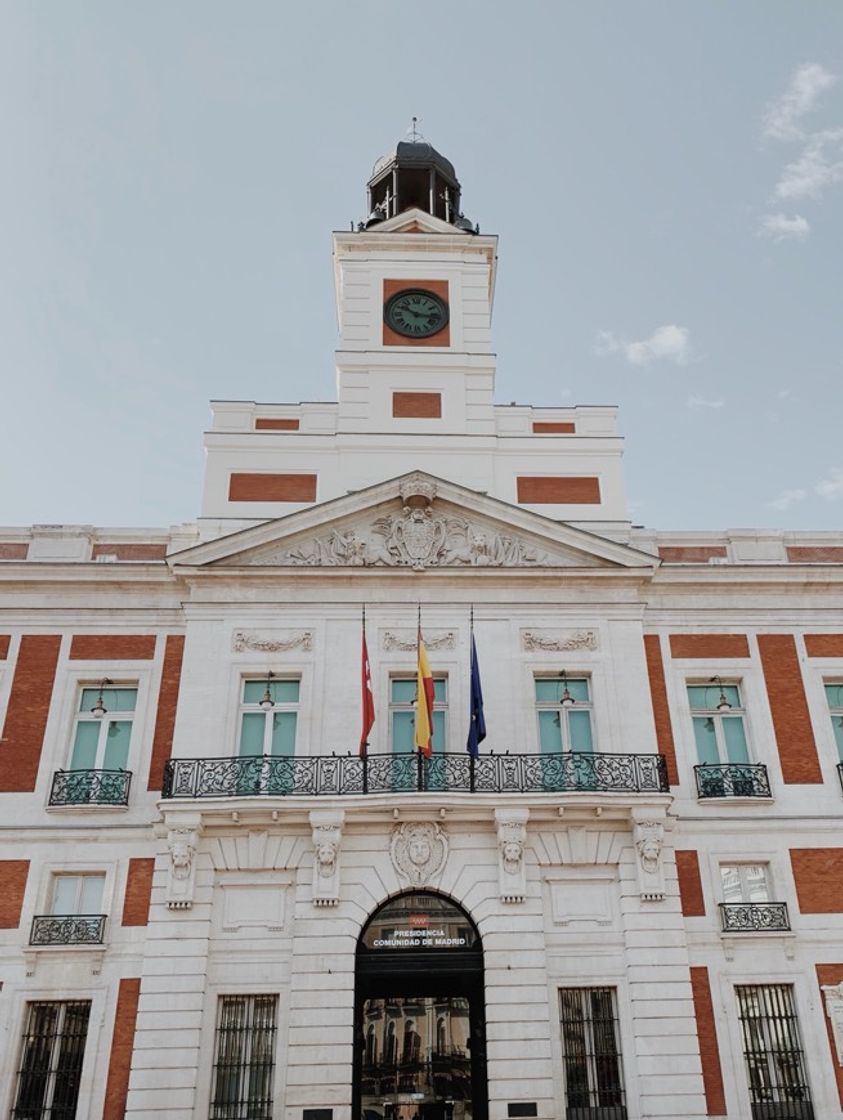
414	153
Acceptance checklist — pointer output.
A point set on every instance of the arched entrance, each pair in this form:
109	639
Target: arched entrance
419	1021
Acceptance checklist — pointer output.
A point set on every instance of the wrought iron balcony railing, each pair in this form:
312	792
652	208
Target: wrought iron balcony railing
91	787
67	929
840	772
753	917
733	779
331	775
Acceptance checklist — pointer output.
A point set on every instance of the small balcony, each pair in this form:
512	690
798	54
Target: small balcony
754	917
337	776
840	772
732	779
67	929
90	787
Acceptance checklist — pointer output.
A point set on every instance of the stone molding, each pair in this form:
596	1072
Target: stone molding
243	640
407	640
182	842
512	837
418	851
558	641
326	831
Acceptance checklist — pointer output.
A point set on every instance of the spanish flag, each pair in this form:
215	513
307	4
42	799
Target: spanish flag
424	702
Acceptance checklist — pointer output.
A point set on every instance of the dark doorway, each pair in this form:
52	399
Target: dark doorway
419	1022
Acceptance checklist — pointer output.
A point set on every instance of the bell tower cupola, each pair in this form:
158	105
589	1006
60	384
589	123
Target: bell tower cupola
415	176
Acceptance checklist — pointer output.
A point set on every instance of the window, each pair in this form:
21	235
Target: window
75	916
51	1061
244	1058
402	713
564	720
268	734
745	882
772	1052
101	741
718	729
834	696
591	1055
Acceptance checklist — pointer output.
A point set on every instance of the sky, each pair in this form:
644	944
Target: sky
666	177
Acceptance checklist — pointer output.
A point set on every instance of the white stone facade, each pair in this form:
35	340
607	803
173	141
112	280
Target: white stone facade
264	889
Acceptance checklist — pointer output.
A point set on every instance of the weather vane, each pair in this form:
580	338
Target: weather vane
415	135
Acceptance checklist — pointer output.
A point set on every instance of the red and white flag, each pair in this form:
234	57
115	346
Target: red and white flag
367	697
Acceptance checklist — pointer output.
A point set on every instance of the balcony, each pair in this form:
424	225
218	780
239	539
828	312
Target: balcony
754	917
840	772
67	929
337	776
732	779
90	787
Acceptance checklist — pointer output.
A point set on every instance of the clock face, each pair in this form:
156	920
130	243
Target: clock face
415	313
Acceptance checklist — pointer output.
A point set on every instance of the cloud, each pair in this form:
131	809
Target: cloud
781	228
782	119
787	498
668	343
819	166
783	394
701	402
831	488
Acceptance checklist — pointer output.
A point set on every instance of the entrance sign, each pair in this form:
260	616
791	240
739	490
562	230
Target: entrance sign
420	921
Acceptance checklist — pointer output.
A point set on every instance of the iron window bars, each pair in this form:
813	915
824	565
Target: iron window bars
591	1054
244	1058
331	775
51	1061
773	1053
753	917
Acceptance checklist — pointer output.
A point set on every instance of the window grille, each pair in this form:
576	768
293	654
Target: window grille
591	1054
244	1061
773	1053
51	1061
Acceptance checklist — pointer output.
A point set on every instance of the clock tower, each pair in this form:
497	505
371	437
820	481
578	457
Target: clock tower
415	286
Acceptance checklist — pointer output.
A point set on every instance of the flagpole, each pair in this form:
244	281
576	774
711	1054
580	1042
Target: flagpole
365	746
471	757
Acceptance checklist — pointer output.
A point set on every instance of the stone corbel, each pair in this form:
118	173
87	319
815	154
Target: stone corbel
182	841
512	838
834	1009
326	825
648	836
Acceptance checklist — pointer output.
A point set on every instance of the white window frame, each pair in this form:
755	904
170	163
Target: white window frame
557	708
274	1086
250	708
410	705
103	722
718	717
583	989
60	1000
79	876
835	710
741	867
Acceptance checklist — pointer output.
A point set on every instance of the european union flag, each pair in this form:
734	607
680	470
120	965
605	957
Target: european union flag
476	719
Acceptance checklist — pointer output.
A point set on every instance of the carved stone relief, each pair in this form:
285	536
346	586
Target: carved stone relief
244	640
418	851
406	640
557	641
181	881
512	836
415	538
649	839
326	828
834	1009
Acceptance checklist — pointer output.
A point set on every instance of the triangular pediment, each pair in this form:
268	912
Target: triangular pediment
419	523
416	221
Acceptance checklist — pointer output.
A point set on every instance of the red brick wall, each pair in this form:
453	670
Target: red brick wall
661	708
831	974
112	647
789	709
439	288
138	892
691	554
276	424
424	406
822	554
4	646
13	550
558	490
13	873
560	427
818	875
715	1098
26	718
165	719
256	487
709	646
824	645
690	884
122	1043
126	551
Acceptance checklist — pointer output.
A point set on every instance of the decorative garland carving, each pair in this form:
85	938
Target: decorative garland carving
418	851
397	640
243	641
559	641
